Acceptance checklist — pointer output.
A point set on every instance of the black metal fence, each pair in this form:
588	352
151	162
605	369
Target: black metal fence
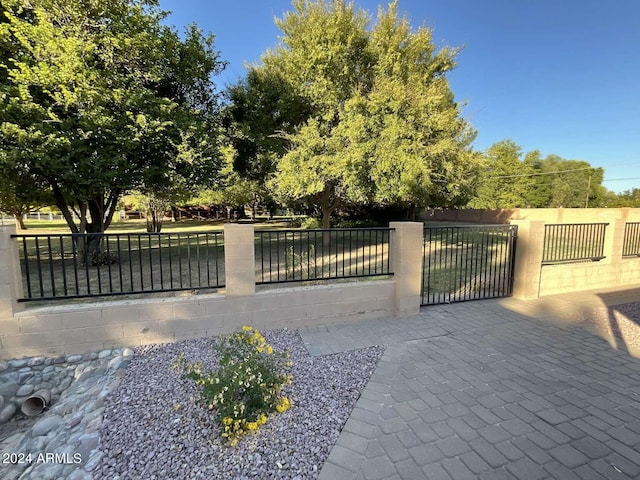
85	265
467	263
631	245
573	242
303	255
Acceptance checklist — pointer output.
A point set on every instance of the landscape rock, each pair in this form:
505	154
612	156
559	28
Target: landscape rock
45	425
7	412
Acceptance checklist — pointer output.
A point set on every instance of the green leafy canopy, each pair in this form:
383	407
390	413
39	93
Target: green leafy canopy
378	121
100	98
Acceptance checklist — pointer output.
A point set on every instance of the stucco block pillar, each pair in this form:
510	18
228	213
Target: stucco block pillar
614	241
528	261
239	260
10	282
406	246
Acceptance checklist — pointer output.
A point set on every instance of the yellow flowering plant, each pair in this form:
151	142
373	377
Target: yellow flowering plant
246	387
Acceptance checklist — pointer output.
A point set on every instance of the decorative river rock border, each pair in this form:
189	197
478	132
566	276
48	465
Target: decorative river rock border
63	441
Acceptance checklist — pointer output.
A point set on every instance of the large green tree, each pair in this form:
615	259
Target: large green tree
105	99
379	121
505	181
261	110
569	183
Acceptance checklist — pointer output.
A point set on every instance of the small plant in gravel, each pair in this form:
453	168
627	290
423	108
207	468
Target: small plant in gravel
245	389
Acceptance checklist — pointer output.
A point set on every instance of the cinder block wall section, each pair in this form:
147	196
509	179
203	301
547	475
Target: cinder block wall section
547	215
80	328
533	280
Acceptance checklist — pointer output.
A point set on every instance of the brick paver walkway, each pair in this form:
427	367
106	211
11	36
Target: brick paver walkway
483	390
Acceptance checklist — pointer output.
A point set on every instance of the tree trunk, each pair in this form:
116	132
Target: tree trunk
20	221
411	212
328	205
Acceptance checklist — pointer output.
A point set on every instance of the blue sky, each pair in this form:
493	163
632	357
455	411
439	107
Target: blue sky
561	76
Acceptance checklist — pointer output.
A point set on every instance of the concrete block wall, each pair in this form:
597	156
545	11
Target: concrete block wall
85	327
547	215
533	280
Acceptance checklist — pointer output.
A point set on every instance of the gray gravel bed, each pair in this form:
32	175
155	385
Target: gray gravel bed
153	428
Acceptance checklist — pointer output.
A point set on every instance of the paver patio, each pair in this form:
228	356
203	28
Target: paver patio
491	389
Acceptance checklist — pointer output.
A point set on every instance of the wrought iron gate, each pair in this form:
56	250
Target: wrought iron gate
467	263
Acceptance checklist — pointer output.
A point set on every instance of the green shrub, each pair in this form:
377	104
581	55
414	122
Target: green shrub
97	259
303	263
245	389
357	224
310	223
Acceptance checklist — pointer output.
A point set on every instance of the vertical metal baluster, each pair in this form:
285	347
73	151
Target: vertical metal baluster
495	249
160	235
64	267
75	263
206	243
498	259
477	287
460	251
467	240
430	293
506	243
39	267
98	260
106	237
274	255
366	252
309	256
278	253
140	261
86	262
351	253
468	254
453	260
198	258
488	262
53	280
221	235
26	266
170	260
131	281
189	259
439	231
329	261
423	264
180	257
315	261
487	266
447	260
119	262
149	235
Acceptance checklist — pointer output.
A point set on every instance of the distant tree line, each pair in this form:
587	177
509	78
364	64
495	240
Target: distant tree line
510	179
